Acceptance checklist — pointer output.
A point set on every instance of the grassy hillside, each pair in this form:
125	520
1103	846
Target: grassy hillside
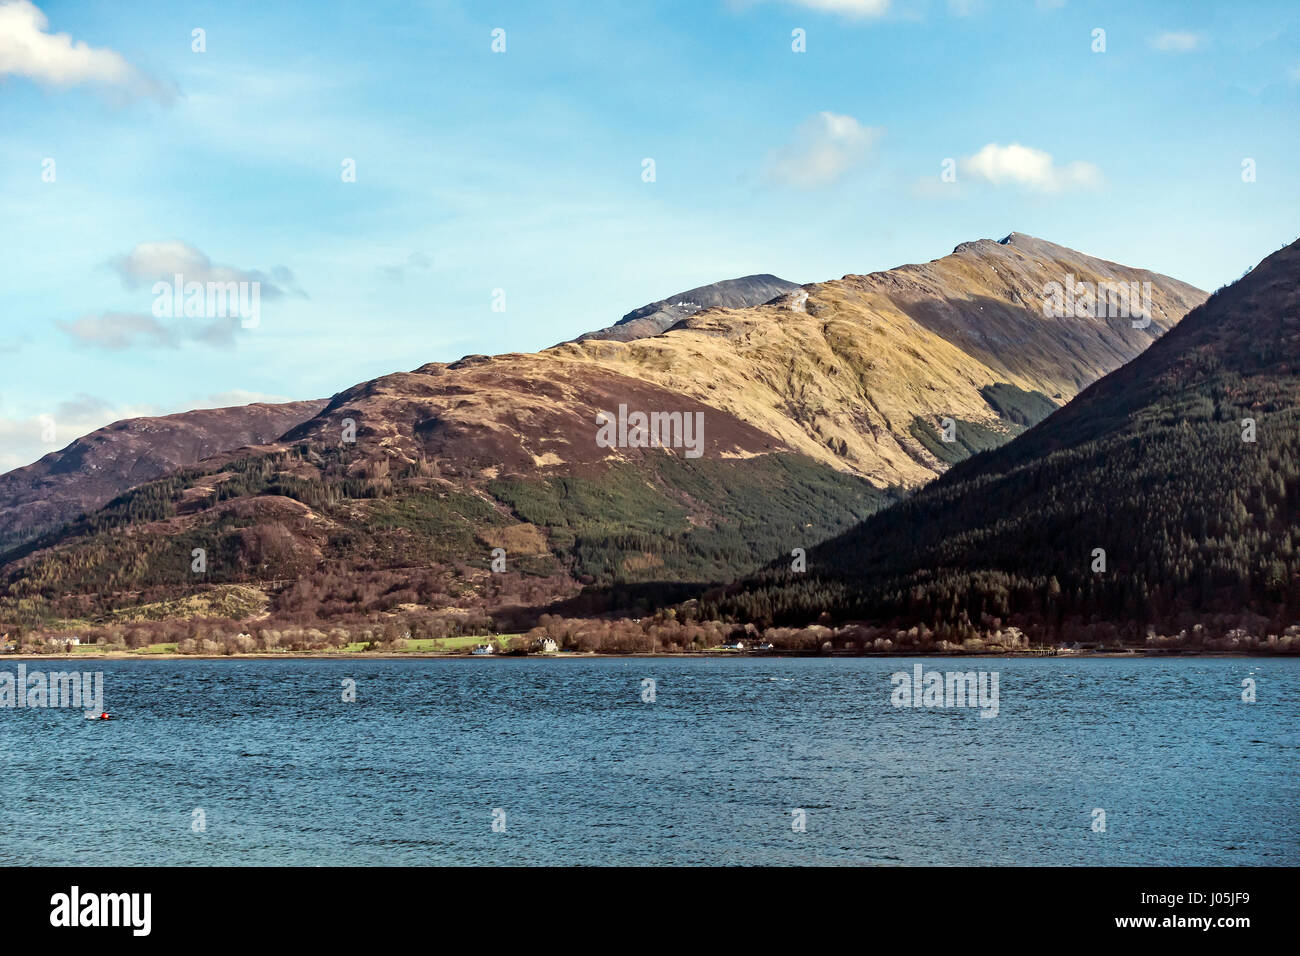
298	514
812	411
842	371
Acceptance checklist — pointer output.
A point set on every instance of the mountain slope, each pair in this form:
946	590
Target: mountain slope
650	320
859	372
1151	465
449	463
101	465
813	410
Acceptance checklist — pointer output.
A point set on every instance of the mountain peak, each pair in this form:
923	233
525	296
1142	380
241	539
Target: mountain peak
1020	240
656	317
975	245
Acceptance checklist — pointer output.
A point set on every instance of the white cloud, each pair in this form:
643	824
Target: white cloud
848	8
1028	167
1175	41
115	331
151	262
825	147
54	59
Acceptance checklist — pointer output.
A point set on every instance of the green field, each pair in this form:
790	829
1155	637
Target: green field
428	645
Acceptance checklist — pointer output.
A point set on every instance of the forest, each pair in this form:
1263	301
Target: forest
1164	497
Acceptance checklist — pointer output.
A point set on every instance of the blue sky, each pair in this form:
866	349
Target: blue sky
523	170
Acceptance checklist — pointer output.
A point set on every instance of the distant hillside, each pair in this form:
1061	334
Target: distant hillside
817	409
662	315
101	465
449	462
1199	527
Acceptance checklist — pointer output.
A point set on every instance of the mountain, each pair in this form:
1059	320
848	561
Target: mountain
816	410
662	315
101	465
860	372
1183	467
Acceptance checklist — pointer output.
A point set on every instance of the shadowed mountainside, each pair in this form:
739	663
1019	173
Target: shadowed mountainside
1183	467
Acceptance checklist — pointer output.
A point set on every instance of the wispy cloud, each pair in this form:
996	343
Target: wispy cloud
848	8
151	262
415	262
1178	41
1028	167
116	331
825	147
56	60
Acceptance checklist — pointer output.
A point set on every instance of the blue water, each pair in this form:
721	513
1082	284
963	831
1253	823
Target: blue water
286	772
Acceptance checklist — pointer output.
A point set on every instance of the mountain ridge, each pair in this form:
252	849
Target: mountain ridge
920	342
818	408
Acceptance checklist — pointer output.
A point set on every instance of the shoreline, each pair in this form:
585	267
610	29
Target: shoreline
590	655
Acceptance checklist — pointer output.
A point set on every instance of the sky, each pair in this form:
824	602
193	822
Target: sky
412	182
